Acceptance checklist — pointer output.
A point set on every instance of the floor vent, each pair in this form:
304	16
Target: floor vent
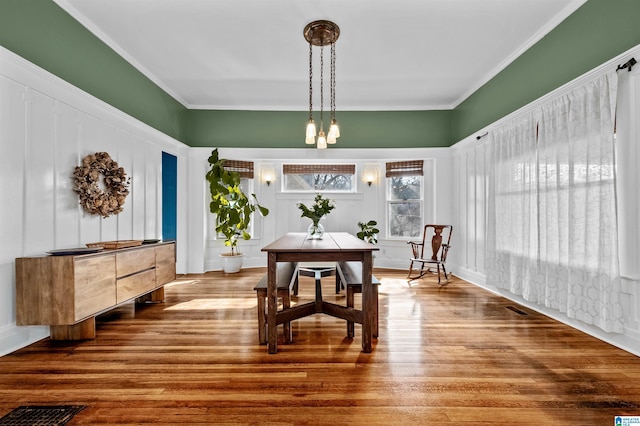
516	310
45	415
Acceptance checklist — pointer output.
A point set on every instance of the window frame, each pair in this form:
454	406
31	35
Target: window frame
327	169
399	169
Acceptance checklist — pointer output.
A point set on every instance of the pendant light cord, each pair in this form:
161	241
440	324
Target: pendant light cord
310	82
321	87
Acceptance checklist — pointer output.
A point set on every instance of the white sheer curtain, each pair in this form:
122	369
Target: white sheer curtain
552	227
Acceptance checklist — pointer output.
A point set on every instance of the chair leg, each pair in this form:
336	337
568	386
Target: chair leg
410	269
419	274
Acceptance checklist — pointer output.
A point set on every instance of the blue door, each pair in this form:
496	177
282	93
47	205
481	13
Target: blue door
169	196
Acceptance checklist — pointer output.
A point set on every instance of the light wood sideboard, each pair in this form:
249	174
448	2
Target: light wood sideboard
67	292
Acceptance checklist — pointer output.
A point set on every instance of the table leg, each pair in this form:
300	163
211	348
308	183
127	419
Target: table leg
272	305
367	302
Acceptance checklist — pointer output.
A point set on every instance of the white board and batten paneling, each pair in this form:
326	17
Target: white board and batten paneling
46	127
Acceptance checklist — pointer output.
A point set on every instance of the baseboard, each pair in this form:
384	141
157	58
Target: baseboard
14	337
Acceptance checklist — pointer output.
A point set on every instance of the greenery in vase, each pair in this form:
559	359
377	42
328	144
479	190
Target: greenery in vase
368	231
232	207
320	208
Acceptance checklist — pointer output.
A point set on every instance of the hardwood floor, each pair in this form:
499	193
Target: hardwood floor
446	355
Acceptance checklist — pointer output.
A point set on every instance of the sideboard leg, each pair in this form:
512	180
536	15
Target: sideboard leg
155	296
81	331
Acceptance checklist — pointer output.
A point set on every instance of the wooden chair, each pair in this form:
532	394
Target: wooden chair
436	251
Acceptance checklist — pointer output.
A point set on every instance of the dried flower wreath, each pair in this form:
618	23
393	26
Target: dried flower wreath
101	185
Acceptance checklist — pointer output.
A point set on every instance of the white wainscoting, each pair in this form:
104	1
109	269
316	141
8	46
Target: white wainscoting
46	127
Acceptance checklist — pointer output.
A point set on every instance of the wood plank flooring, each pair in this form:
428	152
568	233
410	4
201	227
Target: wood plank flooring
446	355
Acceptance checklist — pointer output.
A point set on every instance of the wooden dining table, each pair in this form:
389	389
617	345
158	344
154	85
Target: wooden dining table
333	247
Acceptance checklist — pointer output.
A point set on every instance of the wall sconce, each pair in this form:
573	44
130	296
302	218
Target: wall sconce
370	173
268	173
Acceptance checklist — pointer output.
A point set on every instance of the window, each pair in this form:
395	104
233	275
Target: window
245	169
404	198
319	177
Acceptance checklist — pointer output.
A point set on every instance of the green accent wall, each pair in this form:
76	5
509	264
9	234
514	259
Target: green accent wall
286	129
595	33
44	34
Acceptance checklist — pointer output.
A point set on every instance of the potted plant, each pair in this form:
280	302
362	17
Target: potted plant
320	208
233	209
368	231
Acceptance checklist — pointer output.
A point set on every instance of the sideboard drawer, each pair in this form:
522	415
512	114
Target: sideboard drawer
95	285
134	285
132	261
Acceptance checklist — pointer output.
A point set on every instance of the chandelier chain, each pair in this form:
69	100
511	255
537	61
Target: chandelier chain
310	82
321	86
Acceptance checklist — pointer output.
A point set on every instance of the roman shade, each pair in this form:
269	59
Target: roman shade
405	168
335	169
244	168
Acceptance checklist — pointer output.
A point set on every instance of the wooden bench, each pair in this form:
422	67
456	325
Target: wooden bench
350	274
286	280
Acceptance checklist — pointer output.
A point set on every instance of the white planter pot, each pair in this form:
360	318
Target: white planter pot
231	263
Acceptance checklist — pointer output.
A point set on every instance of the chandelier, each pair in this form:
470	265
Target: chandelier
321	34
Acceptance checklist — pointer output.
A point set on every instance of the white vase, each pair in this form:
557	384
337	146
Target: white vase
231	263
315	232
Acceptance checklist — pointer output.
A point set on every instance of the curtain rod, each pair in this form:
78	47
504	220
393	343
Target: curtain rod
629	64
482	135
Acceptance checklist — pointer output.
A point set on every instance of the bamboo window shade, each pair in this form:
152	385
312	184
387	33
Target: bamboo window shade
244	168
405	168
334	169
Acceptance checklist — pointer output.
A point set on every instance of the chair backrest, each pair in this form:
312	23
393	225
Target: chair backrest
436	240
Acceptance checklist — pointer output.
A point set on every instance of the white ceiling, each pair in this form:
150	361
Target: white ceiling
251	54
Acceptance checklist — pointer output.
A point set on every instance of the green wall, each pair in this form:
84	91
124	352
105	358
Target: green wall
595	33
43	33
285	129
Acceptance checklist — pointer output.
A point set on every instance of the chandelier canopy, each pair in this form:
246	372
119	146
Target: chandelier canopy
322	33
